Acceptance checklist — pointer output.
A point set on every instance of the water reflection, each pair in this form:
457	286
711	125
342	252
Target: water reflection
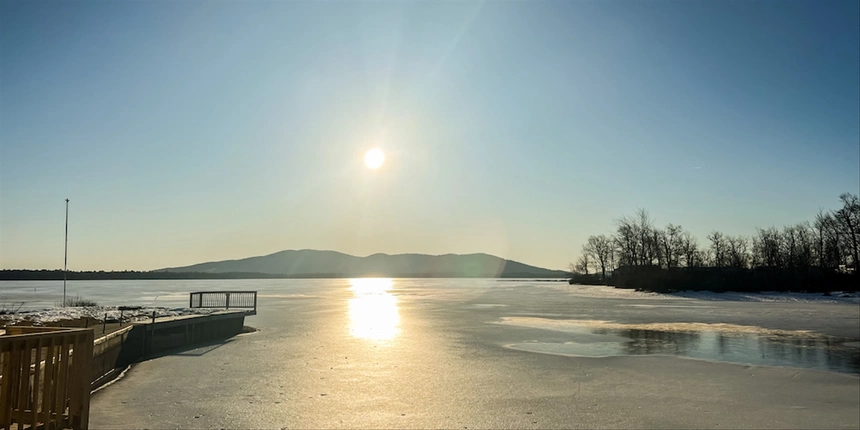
809	352
373	312
647	342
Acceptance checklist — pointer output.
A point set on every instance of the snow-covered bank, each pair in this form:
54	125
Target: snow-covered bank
773	296
606	292
100	313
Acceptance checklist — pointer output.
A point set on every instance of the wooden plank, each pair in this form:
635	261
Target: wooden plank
75	377
89	339
3	361
14	377
6	385
22	330
48	381
55	376
32	347
37	381
83	357
60	395
24	386
73	382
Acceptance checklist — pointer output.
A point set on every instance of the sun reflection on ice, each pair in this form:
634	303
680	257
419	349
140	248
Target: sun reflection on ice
373	312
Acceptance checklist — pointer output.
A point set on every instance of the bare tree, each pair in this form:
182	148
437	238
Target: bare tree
820	228
599	249
626	242
767	248
848	222
738	253
657	255
689	248
581	265
789	247
613	255
706	257
828	244
831	241
671	242
719	249
637	242
804	256
646	235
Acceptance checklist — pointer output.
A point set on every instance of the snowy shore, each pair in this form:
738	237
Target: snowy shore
99	313
606	292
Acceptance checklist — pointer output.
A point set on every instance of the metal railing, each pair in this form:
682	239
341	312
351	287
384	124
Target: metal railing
45	377
224	299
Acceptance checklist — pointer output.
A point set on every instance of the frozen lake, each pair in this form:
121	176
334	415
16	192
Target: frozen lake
489	353
750	344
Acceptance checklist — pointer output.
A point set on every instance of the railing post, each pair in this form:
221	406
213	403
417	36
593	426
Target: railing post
255	302
228	300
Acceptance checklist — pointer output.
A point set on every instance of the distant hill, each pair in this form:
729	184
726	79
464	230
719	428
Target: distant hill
313	263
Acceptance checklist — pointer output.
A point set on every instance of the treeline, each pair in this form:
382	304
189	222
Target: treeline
57	275
821	255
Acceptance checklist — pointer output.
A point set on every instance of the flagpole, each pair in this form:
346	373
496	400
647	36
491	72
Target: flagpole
66	258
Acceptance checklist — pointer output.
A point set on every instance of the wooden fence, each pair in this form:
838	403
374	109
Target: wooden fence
45	378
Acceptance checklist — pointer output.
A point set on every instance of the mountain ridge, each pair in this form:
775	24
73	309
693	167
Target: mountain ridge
311	262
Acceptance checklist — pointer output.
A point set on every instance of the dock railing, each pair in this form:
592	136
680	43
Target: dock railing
45	377
224	299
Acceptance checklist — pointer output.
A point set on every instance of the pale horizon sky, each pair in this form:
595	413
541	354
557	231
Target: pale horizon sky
191	131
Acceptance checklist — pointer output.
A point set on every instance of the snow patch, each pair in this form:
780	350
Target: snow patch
607	292
100	313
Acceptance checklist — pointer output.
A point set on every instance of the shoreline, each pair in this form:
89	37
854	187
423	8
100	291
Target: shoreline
57	275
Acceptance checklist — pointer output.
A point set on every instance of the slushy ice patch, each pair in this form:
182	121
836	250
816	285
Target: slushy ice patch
714	342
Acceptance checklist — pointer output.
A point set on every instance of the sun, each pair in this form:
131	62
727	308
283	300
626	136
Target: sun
374	158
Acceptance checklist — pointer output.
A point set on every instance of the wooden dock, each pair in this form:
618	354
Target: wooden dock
48	373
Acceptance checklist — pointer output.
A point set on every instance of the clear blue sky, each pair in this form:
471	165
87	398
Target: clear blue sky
186	131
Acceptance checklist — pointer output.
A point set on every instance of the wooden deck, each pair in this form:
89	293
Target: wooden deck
45	377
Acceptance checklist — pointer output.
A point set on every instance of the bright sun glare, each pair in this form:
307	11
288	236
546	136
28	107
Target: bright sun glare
374	158
373	311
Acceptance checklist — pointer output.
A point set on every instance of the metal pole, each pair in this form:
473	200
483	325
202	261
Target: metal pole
66	258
